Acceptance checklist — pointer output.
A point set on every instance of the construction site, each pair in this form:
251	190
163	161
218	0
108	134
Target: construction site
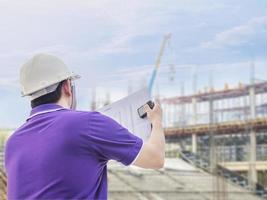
216	146
216	149
203	61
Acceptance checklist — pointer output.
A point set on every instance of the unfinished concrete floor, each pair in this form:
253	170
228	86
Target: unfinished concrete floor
178	180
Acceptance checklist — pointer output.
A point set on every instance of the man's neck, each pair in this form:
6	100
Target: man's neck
63	103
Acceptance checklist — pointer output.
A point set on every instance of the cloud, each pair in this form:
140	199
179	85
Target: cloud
8	82
113	43
117	44
239	35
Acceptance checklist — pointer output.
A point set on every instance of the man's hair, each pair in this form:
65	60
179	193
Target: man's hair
51	97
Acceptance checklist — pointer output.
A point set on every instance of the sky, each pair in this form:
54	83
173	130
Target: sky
113	45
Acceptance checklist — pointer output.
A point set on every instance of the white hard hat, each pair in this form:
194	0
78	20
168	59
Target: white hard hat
41	75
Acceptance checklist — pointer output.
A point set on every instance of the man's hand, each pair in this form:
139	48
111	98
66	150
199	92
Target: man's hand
154	115
152	154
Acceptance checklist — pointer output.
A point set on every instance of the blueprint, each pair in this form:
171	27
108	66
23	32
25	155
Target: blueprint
124	111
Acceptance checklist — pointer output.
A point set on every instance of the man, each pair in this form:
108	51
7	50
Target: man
60	153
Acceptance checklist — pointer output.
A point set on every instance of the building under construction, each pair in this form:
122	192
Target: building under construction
222	132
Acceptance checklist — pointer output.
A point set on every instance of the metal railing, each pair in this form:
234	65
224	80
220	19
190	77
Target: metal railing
235	153
235	178
3	185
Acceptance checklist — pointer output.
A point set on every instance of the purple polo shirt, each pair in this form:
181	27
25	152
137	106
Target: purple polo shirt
63	154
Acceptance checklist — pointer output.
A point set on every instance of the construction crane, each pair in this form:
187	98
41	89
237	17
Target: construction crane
154	73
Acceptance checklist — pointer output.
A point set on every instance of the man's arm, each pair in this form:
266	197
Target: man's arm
152	154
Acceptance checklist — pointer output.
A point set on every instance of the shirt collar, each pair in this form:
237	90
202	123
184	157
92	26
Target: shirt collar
45	108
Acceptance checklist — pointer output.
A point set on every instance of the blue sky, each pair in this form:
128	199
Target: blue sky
114	44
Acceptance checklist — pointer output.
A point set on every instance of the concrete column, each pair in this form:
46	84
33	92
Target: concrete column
194	136
213	152
253	157
253	142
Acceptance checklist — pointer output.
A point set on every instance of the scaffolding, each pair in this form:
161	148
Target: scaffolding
218	115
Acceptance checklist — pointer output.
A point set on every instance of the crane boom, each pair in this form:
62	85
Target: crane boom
157	65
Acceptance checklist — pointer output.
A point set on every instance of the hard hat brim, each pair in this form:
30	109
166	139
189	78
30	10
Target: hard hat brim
72	77
75	77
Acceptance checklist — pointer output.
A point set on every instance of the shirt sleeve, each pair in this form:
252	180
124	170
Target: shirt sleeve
111	141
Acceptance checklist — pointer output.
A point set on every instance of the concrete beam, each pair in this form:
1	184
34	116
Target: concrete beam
244	166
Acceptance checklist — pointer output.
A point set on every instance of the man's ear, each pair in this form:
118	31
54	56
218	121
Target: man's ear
66	88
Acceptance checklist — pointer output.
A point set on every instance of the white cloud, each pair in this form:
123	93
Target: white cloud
239	35
82	33
118	44
7	82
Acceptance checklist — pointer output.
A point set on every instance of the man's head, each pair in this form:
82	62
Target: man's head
46	79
